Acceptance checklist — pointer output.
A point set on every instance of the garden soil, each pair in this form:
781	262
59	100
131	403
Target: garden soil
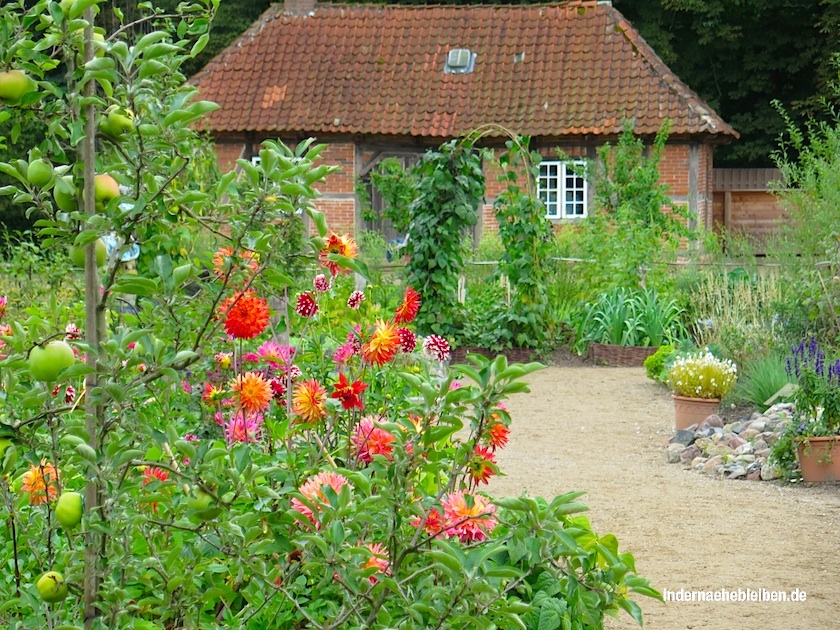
602	430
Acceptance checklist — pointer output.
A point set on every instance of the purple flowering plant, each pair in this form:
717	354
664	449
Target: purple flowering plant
817	397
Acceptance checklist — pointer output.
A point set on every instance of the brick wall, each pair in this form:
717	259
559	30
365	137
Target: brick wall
227	152
338	201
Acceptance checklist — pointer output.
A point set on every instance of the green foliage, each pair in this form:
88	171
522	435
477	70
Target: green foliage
807	245
628	208
761	380
738	313
244	468
631	318
655	364
526	235
398	189
450	189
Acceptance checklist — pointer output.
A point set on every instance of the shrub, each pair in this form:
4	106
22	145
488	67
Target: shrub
702	376
655	363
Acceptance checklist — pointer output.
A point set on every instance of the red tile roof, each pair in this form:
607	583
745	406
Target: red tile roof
549	70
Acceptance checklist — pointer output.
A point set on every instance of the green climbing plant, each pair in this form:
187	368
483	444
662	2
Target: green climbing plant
450	188
526	235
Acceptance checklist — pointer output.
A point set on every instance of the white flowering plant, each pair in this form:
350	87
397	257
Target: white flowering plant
702	375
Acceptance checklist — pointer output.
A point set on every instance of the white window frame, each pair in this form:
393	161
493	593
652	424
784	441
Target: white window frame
563	189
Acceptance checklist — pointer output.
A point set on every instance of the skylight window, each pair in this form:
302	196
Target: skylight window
460	61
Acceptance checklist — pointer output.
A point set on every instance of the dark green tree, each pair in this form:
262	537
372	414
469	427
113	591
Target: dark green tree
740	56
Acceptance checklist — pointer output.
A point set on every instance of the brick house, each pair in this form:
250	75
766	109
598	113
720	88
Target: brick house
379	81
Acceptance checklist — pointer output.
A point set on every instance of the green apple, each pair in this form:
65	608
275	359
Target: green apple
65	194
51	587
116	122
77	254
14	84
106	189
46	362
39	173
69	509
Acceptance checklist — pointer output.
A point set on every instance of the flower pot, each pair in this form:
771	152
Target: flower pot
819	458
688	411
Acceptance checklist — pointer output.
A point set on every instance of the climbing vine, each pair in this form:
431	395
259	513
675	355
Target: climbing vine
450	188
526	235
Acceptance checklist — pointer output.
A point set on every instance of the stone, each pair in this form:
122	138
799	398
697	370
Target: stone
755	416
717	437
770	437
673	453
768	473
686	438
744	449
755	466
754	475
760	444
712	421
759	425
689	454
737	473
736	427
702	443
706	433
749	434
698	462
763	454
712	464
735	442
718	449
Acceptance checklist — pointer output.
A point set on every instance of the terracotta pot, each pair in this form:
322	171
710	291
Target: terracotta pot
819	458
688	411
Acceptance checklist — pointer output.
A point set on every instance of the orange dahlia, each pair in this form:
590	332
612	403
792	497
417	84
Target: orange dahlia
482	465
308	401
497	435
41	483
246	315
254	391
383	343
469	517
342	245
407	311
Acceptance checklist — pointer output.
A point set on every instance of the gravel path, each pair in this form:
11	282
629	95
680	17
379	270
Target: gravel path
602	430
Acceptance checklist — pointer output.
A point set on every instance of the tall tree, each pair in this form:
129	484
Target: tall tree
739	55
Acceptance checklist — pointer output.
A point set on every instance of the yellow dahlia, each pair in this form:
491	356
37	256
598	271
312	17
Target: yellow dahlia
308	401
383	343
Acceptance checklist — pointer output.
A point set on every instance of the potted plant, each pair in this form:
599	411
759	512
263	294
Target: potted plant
699	381
812	438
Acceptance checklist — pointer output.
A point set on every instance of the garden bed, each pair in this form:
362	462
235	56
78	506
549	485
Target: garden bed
620	356
514	355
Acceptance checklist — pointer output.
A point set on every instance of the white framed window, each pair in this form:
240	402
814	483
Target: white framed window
563	190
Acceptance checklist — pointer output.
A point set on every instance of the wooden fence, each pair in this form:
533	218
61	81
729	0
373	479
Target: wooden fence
743	203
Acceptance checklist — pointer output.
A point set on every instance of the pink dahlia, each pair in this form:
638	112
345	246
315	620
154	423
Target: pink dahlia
312	489
370	439
469	520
